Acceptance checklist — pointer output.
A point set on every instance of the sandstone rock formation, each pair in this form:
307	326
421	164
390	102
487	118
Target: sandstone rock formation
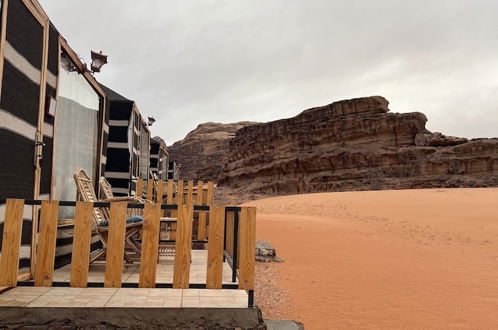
355	145
203	152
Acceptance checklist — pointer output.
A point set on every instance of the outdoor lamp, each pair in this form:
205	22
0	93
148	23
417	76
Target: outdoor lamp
98	61
151	121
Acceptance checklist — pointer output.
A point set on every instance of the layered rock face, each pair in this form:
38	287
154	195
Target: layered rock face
355	144
203	152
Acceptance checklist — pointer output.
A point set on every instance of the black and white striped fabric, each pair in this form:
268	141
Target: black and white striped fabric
19	111
119	148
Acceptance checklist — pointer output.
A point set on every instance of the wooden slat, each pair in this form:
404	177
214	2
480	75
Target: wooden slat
150	244
81	244
201	230
214	276
150	189
45	257
169	197
181	271
229	231
247	248
159	191
210	193
179	194
140	187
115	245
11	242
190	192
179	201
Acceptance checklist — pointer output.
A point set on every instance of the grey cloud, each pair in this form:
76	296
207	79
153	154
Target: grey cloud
190	61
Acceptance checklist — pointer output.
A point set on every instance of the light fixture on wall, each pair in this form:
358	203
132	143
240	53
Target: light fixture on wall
98	61
150	121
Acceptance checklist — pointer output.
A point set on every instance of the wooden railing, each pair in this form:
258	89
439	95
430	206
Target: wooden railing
180	192
45	255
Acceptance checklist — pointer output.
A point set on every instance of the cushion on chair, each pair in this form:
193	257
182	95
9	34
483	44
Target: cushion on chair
134	219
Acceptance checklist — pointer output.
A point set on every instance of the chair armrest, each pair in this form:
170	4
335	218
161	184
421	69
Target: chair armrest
124	199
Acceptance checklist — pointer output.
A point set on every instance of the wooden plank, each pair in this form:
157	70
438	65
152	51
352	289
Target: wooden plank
3	34
190	192
140	187
45	257
179	193
178	200
209	198
150	190
229	231
81	244
115	245
11	242
169	196
159	191
201	230
214	276
200	191
181	271
210	193
247	248
150	245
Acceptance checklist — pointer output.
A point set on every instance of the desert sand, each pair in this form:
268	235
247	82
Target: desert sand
408	259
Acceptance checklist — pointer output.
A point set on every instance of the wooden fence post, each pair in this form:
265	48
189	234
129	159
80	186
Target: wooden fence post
183	247
159	191
214	276
115	245
150	190
81	244
140	187
247	248
170	192
150	244
45	257
201	230
11	242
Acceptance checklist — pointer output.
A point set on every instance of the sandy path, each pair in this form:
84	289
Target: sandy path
387	259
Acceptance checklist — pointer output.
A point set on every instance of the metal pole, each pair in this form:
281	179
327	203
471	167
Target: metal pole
235	246
250	298
225	236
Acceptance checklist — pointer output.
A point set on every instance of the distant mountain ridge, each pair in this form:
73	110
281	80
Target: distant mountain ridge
355	144
203	152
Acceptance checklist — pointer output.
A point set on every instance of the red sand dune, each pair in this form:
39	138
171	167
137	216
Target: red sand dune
411	259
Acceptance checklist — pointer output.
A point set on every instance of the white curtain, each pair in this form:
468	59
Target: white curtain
76	133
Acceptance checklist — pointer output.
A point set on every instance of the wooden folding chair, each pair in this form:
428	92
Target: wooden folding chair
86	193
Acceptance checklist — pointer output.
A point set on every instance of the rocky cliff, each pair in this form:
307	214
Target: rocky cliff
203	152
355	144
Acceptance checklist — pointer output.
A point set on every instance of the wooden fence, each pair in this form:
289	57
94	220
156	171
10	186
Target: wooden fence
180	192
45	255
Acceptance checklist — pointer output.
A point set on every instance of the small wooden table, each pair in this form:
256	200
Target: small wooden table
167	227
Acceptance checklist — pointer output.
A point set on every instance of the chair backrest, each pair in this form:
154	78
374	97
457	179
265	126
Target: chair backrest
105	188
86	193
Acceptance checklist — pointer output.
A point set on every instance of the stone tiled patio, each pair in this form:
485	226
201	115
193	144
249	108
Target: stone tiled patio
131	297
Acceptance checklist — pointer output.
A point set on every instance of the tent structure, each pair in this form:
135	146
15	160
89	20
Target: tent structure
159	158
52	118
128	146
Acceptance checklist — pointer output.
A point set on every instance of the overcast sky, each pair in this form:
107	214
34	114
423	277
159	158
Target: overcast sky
191	61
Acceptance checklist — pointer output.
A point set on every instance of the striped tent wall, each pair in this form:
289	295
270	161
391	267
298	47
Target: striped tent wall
48	129
19	111
158	159
117	147
154	157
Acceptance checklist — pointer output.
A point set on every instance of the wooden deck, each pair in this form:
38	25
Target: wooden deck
23	296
